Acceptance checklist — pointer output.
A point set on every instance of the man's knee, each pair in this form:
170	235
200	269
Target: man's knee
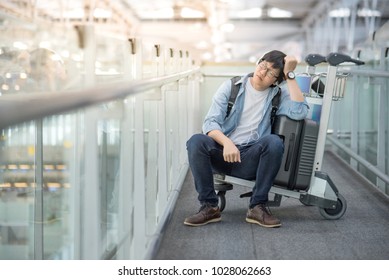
275	144
195	141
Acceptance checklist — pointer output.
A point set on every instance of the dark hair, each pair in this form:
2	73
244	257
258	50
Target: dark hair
277	59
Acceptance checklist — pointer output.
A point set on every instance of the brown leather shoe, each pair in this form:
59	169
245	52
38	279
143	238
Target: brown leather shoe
207	214
260	215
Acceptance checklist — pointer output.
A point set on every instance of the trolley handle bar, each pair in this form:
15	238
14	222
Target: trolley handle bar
335	59
314	59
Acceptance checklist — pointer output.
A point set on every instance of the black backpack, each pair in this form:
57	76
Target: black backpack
234	92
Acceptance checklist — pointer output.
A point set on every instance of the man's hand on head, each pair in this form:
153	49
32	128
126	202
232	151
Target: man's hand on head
290	63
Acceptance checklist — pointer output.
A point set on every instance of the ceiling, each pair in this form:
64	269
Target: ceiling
221	30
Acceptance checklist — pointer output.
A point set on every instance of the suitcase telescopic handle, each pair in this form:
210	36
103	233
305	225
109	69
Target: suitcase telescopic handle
290	150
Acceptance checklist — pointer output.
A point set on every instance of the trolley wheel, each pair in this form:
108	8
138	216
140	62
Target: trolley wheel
222	200
338	212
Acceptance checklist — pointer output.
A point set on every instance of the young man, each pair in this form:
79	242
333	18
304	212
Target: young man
241	145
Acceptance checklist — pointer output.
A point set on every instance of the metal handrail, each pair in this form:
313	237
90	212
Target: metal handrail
366	73
23	107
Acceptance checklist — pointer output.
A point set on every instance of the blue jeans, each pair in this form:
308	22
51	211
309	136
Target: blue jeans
260	161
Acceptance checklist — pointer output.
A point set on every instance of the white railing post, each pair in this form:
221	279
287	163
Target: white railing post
90	207
162	192
90	199
139	222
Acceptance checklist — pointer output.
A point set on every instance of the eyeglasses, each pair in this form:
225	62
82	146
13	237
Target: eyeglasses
269	73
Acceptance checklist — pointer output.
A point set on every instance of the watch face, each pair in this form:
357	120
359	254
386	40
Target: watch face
291	75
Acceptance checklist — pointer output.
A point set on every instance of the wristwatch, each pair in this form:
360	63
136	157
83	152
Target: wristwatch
290	75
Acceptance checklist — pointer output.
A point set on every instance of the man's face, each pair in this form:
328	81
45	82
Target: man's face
265	73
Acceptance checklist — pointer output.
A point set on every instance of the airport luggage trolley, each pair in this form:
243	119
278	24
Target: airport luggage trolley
300	174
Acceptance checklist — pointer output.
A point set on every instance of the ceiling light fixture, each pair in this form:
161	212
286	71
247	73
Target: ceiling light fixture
279	13
191	13
368	13
247	14
341	12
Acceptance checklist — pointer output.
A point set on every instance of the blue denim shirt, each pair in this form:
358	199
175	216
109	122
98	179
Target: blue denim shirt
216	117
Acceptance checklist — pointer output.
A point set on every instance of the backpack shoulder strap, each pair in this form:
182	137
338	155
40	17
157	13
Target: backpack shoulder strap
275	103
233	94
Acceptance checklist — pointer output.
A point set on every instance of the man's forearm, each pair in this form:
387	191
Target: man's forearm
219	137
294	91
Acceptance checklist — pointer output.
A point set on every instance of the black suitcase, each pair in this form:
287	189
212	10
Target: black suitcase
300	138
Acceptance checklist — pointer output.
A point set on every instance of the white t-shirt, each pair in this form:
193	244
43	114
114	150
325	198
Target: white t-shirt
252	115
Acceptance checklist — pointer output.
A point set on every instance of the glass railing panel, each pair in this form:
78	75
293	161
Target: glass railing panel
360	122
151	139
17	185
109	162
110	172
61	145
